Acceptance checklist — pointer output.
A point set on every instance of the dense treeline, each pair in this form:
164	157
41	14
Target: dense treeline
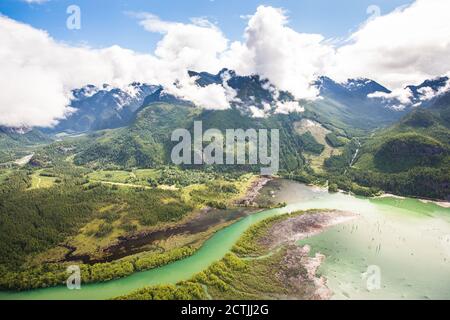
336	182
334	141
173	176
215	194
36	220
421	182
248	244
186	290
418	182
48	275
231	278
126	150
348	184
310	143
14	182
405	151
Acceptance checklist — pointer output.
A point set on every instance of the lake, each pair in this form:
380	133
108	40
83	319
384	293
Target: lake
396	249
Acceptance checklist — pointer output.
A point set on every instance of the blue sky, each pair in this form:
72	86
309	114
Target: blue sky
396	49
105	23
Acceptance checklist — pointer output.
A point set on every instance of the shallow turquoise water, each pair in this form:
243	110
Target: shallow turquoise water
413	255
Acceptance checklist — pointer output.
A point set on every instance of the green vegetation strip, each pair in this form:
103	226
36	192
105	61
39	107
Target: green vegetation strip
233	277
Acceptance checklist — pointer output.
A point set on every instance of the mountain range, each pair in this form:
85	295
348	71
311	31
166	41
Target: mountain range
347	134
104	108
343	104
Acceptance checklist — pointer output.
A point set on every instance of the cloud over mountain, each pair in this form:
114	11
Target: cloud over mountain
271	49
403	47
38	73
406	46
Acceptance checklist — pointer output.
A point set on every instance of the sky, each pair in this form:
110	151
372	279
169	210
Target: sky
106	22
290	43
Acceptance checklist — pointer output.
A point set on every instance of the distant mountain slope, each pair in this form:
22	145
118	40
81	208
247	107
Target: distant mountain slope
13	137
347	106
104	108
419	139
291	144
342	105
362	87
441	108
146	143
13	141
428	91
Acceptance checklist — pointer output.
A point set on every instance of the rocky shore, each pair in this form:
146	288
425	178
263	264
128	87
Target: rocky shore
249	199
298	227
288	232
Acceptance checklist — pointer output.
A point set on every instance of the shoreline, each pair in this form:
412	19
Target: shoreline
299	227
443	204
248	200
440	203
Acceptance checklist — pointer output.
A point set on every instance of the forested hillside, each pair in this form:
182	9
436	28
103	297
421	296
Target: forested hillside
146	143
411	157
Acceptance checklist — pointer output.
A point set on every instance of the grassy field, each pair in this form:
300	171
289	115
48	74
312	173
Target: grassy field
111	176
38	181
319	133
143	174
139	177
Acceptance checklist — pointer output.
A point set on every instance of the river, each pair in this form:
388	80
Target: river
406	240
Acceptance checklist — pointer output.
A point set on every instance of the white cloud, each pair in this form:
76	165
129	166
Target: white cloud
230	93
38	73
272	50
256	112
193	46
428	93
288	107
291	60
406	46
210	97
402	96
397	107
